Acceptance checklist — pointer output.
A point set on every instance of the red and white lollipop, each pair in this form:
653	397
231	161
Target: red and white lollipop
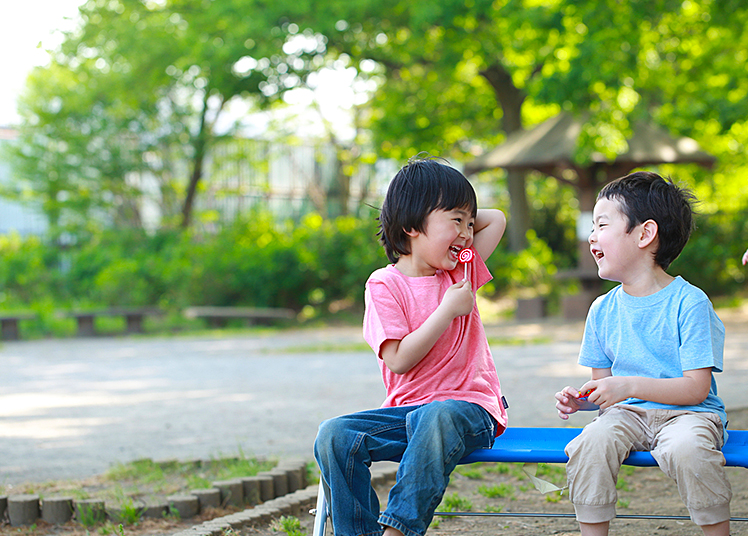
465	257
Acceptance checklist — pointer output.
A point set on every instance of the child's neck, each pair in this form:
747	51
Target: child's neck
647	283
408	265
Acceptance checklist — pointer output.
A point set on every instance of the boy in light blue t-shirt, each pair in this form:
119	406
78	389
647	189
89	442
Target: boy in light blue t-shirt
653	343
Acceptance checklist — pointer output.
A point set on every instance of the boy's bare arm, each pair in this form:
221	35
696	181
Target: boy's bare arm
689	390
489	228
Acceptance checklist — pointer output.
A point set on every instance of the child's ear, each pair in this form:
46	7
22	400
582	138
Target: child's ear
648	233
411	232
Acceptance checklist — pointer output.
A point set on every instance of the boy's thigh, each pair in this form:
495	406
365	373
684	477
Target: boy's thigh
619	429
379	432
688	435
472	425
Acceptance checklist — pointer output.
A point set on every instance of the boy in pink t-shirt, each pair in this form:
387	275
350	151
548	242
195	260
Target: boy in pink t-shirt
443	394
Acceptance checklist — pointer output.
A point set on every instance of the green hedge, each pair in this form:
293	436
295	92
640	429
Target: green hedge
317	265
712	258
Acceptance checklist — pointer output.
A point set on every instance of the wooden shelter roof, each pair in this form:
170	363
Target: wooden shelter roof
552	144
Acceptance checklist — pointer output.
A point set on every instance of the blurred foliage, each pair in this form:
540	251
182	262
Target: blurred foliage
139	88
712	258
317	266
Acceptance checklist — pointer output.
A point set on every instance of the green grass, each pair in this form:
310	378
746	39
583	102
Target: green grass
288	525
473	472
128	485
455	503
501	490
518	341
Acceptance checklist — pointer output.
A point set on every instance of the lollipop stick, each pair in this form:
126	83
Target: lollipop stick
465	257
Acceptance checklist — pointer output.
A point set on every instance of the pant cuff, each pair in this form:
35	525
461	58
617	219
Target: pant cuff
388	521
601	513
712	515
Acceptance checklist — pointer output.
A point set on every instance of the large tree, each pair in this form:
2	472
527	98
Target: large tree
153	80
143	84
459	74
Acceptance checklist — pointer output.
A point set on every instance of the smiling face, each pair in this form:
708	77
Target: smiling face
445	234
616	252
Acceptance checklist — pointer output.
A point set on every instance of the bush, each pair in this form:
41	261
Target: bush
712	258
259	262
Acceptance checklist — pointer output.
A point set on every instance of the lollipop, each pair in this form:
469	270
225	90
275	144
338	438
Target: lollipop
465	257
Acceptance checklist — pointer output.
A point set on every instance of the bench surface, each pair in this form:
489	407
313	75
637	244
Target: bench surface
546	445
17	316
114	311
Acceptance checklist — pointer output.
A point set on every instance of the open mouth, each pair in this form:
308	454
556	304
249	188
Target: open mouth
597	254
455	251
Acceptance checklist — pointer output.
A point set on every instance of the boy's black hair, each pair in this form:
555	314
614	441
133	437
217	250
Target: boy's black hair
420	187
643	196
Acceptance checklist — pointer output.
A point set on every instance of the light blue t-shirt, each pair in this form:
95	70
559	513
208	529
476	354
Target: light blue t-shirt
656	336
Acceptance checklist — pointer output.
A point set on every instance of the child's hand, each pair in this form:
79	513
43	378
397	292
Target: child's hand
568	401
608	391
459	299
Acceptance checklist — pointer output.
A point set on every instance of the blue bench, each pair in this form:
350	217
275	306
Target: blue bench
546	445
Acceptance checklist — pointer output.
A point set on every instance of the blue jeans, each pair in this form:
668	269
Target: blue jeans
429	440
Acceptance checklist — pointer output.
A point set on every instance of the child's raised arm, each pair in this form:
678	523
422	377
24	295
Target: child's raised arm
489	228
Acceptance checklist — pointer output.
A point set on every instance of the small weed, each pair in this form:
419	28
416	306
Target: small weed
627	470
172	513
498	490
290	525
455	503
129	513
623	503
554	497
473	473
494	509
108	528
501	468
622	484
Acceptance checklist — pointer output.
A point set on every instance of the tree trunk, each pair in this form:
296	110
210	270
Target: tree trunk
197	166
197	175
511	98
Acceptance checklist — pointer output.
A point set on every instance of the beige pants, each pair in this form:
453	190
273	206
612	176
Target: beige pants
684	444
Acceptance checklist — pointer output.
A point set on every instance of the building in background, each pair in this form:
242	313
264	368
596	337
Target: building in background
14	216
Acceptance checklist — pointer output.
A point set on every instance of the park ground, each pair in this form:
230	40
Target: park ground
499	488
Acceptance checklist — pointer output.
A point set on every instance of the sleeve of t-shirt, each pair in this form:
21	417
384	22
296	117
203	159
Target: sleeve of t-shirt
702	338
384	318
482	275
591	353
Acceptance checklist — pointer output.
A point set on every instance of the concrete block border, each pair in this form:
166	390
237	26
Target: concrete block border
278	491
296	503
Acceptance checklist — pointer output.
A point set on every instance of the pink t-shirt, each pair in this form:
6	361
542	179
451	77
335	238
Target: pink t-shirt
459	366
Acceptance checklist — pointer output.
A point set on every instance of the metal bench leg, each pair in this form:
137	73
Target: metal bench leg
320	516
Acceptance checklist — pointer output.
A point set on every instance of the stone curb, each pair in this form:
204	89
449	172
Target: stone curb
286	481
296	503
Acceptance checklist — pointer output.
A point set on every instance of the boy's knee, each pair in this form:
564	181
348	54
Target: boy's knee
685	454
601	442
328	431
